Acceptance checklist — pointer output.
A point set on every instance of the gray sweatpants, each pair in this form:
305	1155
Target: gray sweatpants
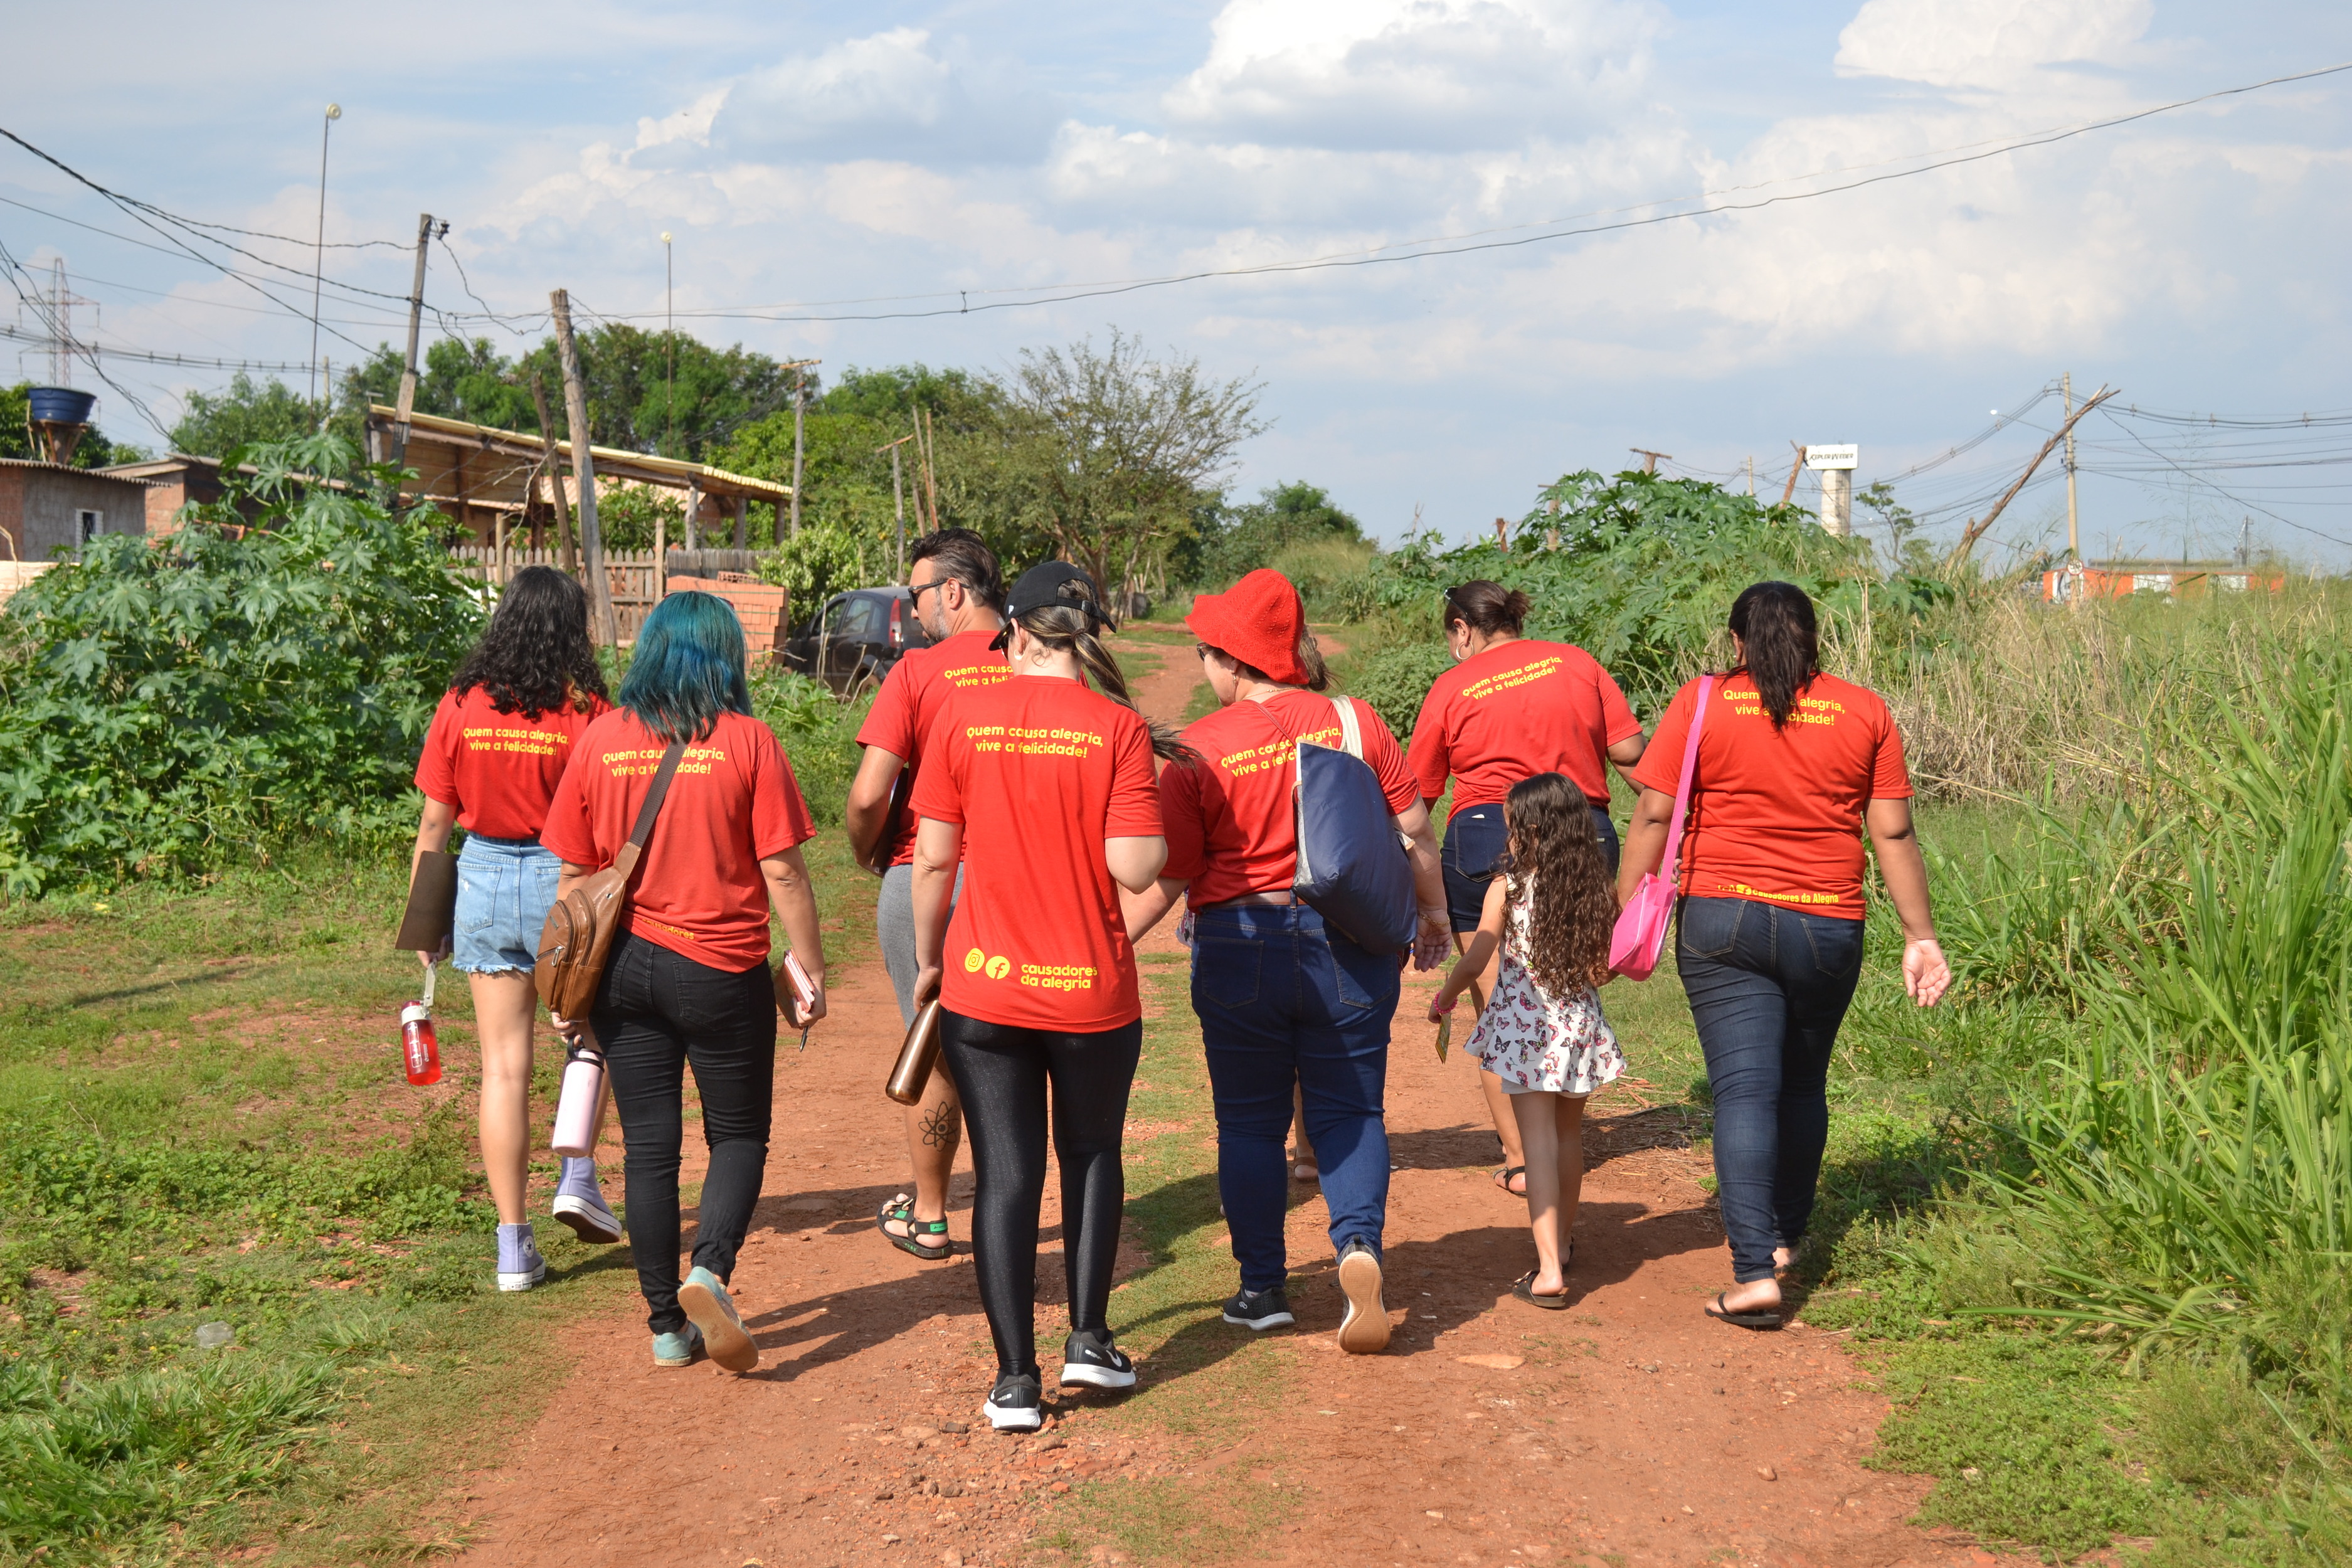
893	928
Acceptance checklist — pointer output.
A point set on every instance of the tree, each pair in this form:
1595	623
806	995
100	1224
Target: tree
1231	540
1109	452
633	402
215	422
94	452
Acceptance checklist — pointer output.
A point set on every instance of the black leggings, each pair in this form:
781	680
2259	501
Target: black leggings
657	1013
1002	1073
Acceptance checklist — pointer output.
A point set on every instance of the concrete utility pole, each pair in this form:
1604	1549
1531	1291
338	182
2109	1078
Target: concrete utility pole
407	406
583	473
2067	392
1837	466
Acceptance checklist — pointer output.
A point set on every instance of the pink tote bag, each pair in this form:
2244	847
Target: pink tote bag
1640	934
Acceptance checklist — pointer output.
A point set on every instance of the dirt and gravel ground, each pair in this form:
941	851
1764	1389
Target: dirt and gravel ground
1627	1430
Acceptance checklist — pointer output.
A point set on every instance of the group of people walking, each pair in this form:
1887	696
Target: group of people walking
1030	826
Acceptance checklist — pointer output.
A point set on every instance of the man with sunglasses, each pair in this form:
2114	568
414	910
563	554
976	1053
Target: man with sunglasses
959	596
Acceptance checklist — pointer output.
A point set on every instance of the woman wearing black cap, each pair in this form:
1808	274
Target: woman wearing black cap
1034	969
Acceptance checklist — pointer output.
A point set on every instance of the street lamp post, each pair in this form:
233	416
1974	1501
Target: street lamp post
319	255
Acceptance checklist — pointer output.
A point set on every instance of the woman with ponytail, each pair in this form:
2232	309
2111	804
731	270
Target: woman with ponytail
1793	766
1034	968
1285	999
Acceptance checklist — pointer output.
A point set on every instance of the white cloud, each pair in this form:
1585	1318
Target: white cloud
1429	75
1989	44
899	93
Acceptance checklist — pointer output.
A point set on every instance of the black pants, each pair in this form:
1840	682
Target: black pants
1002	1073
657	1014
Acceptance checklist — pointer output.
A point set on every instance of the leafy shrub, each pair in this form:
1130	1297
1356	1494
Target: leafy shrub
819	561
819	735
1638	570
167	706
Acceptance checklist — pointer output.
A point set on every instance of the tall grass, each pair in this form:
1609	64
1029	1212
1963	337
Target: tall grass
2188	1173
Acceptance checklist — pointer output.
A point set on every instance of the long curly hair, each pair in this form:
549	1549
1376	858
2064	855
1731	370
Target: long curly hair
1554	858
537	656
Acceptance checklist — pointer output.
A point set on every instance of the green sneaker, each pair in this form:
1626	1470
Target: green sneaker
723	1334
678	1349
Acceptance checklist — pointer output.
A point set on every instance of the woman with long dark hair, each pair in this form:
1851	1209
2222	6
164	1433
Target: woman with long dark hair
500	740
687	984
1042	789
1793	767
1512	706
1285	999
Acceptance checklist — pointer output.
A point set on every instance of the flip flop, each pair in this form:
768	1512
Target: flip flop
1762	1318
1523	1288
902	1209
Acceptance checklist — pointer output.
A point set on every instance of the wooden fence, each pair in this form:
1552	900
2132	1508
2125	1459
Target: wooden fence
638	583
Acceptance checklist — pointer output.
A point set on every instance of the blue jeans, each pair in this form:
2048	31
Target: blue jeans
1283	1000
1767	987
1474	840
505	887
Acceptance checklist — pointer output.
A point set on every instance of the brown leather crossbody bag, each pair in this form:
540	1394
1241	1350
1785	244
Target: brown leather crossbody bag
577	941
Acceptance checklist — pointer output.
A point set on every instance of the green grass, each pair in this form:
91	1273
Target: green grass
202	1122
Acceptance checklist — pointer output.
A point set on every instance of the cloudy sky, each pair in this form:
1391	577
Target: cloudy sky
874	163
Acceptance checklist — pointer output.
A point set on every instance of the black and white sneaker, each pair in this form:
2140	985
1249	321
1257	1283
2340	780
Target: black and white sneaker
1089	1357
1014	1405
1260	1310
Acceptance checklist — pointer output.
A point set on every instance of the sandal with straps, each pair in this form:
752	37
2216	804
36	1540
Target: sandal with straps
901	1210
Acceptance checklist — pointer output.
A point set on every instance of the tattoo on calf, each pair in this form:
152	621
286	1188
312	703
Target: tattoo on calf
941	1127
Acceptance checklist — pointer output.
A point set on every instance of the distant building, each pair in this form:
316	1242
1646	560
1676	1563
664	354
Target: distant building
171	482
46	508
2173	579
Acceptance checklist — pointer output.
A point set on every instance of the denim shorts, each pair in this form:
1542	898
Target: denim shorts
505	887
1474	840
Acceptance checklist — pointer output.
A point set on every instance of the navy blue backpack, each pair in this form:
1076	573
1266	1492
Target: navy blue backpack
1352	867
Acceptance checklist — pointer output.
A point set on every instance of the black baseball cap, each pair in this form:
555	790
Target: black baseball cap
1040	588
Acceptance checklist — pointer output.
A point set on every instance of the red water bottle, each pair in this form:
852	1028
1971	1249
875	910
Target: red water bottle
418	1051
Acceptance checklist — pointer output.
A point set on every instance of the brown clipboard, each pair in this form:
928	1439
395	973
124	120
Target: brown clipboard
431	918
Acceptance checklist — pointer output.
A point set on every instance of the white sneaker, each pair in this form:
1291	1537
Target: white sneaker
1365	1329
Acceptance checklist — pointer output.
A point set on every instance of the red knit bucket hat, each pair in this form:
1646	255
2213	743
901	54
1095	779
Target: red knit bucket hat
1258	621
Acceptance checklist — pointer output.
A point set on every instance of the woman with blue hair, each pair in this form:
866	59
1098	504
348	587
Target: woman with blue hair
687	985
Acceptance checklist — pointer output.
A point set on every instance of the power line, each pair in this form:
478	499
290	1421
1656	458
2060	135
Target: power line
1421	251
191	362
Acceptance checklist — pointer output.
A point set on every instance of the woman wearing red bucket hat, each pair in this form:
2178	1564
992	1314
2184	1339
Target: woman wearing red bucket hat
1285	999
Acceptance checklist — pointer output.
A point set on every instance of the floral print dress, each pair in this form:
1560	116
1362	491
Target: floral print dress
1533	1040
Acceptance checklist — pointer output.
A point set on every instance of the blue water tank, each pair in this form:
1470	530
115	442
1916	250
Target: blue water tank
61	405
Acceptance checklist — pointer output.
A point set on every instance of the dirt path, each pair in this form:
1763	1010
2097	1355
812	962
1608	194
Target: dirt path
1627	1430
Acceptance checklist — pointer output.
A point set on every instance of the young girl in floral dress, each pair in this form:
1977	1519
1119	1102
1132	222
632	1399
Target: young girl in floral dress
1550	907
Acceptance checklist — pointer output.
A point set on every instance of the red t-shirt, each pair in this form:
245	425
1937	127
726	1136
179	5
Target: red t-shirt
1517	711
733	804
908	704
1776	815
1233	826
499	770
1040	771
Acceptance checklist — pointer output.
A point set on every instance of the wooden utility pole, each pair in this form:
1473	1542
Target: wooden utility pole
931	468
583	474
1502	536
1977	526
799	413
2067	392
898	496
407	405
1650	459
742	523
1790	487
554	475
